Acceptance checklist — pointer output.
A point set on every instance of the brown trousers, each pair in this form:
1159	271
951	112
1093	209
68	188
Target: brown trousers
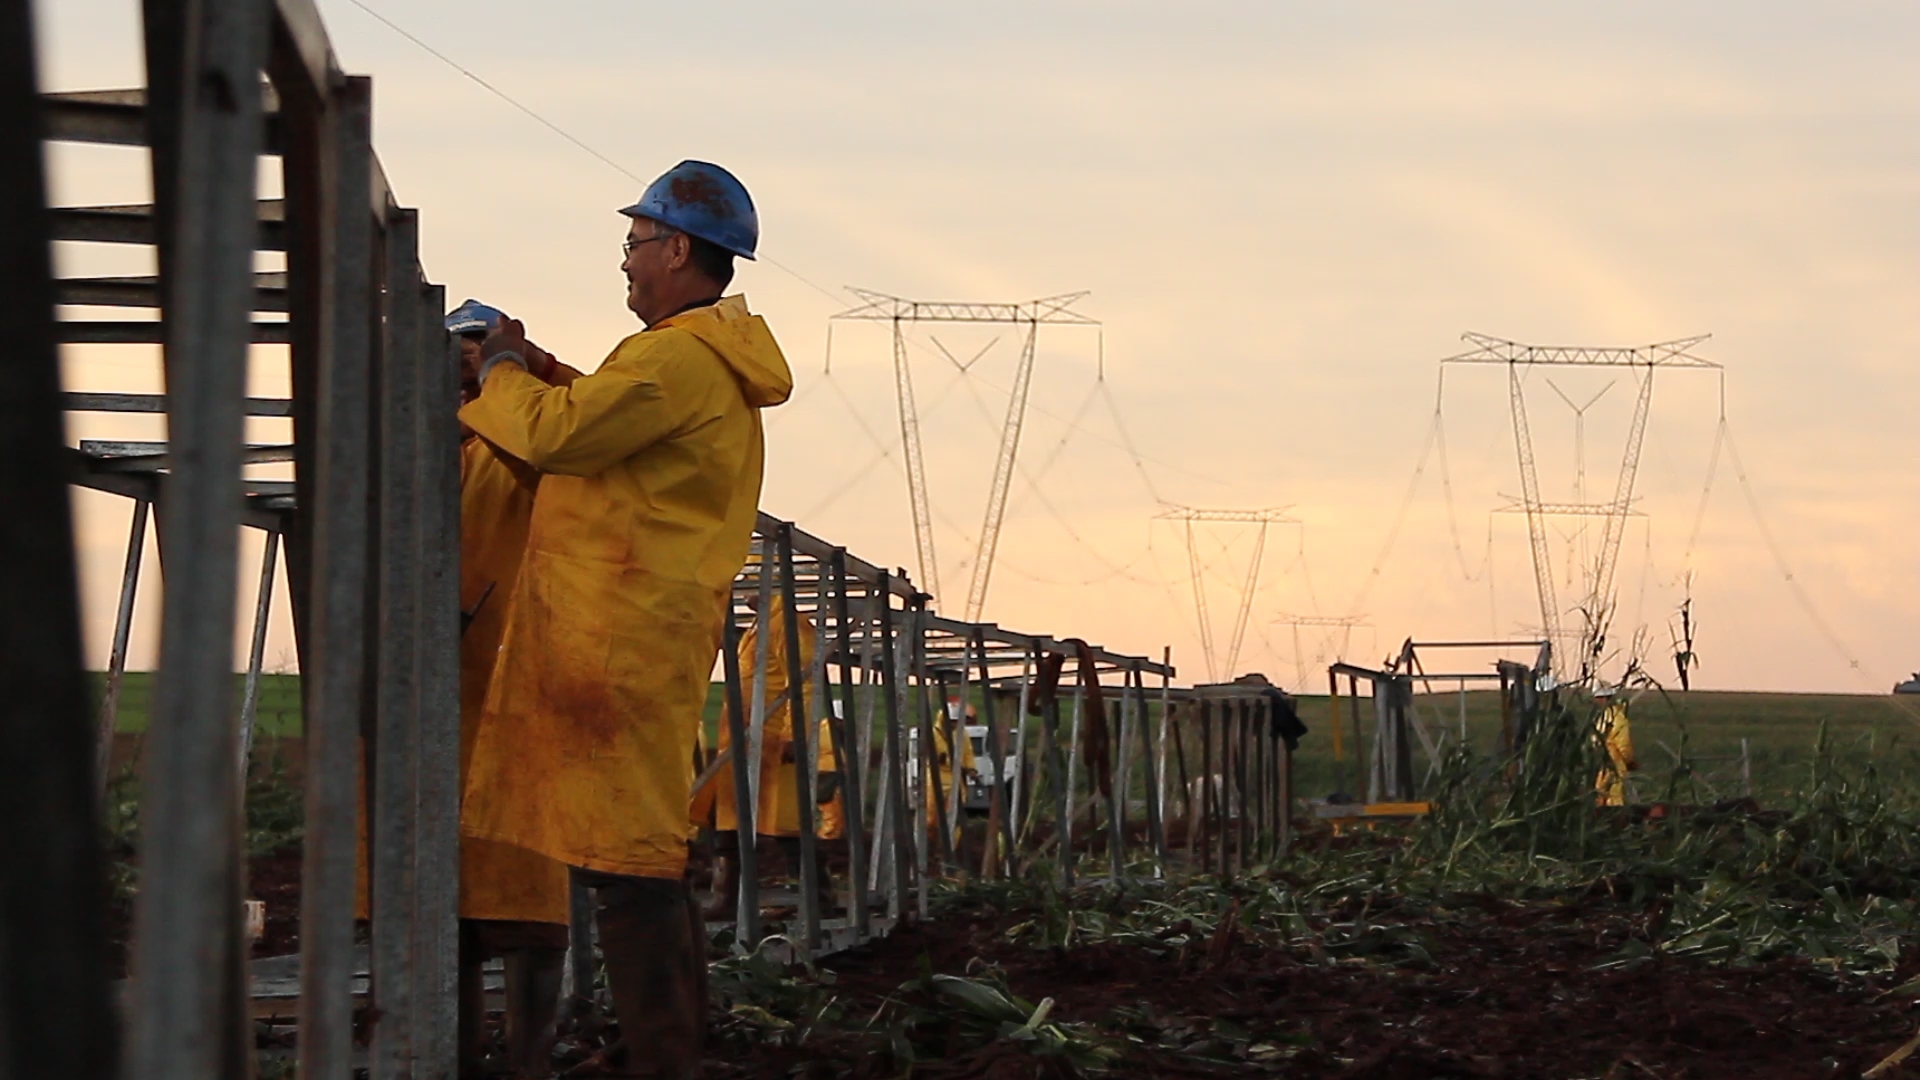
654	944
534	954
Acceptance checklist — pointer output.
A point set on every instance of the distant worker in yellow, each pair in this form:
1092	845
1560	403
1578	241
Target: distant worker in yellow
650	472
962	772
777	811
1616	735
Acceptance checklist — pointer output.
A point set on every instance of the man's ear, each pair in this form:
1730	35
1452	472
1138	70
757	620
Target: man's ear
682	254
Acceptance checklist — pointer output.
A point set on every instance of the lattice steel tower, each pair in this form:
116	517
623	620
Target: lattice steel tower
1597	605
1032	314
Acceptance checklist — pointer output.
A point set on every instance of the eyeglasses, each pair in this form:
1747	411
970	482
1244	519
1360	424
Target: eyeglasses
627	246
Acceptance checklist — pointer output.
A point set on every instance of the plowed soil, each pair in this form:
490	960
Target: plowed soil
1511	992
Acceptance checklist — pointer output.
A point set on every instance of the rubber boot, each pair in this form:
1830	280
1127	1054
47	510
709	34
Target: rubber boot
726	888
472	1004
657	973
533	1007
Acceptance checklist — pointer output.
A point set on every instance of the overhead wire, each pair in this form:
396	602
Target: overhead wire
1780	563
1706	493
1399	520
1074	534
854	481
966	378
567	135
884	453
1446	473
1126	440
1306	572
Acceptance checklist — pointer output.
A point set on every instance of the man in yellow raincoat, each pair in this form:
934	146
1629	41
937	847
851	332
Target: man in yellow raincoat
953	774
513	902
1616	734
650	472
778	808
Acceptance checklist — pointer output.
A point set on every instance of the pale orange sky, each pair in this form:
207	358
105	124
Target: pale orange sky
1286	215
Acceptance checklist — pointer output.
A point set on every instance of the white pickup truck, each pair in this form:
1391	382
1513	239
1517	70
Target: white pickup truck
984	766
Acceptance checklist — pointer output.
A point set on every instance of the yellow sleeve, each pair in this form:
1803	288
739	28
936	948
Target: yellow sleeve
1620	740
652	387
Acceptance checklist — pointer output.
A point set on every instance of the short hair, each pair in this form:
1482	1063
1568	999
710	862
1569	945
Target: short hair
713	261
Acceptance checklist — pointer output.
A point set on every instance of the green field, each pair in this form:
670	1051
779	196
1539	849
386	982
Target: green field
1705	727
276	715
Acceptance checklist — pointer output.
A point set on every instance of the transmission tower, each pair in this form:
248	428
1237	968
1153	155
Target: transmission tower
881	307
1597	605
1343	623
1188	516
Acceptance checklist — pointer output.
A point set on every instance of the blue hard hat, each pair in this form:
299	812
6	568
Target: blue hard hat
704	201
473	317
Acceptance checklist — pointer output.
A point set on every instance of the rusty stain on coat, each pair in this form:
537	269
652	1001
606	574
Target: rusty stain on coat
497	881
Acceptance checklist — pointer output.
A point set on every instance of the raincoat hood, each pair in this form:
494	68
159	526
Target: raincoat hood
744	344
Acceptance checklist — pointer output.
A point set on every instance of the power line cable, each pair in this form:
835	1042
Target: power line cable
567	135
1706	493
1399	519
1446	485
1126	443
859	475
499	93
1780	563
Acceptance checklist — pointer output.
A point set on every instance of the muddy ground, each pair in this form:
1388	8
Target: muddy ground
1481	988
273	878
1510	991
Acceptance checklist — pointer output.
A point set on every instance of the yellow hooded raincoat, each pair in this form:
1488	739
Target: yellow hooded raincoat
497	881
779	812
651	470
943	760
1616	734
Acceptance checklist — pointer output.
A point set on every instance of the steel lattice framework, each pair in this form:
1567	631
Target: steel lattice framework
1598	603
1343	623
883	307
1188	516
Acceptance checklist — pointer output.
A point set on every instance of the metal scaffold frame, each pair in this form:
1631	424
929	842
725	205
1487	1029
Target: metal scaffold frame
373	588
883	682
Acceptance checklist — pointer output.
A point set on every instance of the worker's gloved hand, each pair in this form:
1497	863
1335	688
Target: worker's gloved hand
508	344
505	344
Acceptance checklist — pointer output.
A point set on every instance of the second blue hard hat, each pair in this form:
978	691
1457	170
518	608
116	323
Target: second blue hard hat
473	317
705	201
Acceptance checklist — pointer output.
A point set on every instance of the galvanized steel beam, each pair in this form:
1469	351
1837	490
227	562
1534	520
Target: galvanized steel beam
332	287
206	58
